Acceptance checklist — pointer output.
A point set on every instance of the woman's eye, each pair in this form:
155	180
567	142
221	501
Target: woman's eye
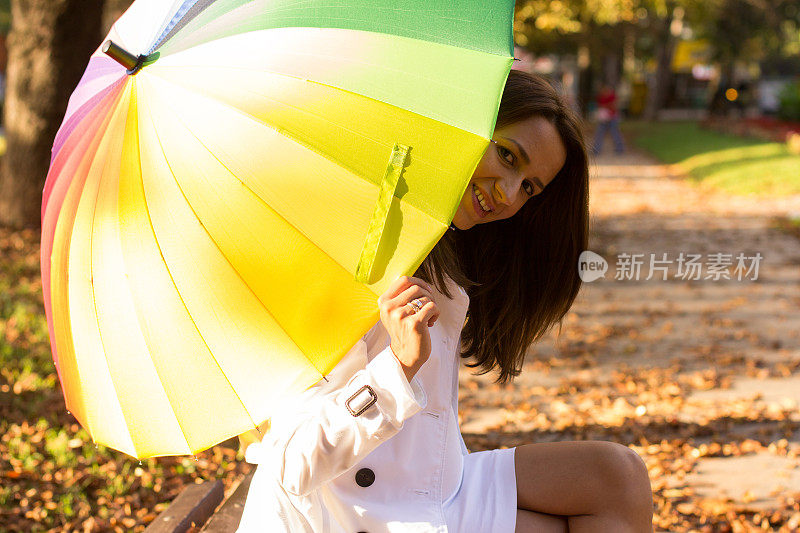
506	154
529	190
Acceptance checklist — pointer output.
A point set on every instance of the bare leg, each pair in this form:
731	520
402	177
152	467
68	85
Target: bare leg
598	486
530	522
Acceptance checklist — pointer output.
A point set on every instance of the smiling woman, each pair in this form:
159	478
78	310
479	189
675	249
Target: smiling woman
520	272
533	182
507	175
377	446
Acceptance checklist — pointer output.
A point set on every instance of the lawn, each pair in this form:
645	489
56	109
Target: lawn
717	161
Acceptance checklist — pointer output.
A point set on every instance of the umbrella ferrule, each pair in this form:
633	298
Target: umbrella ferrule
131	63
138	66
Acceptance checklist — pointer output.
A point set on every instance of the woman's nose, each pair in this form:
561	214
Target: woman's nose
505	192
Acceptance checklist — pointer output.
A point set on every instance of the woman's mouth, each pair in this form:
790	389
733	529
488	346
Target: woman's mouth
479	203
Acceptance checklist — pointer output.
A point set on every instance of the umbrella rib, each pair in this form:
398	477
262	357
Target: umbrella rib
161	146
177	290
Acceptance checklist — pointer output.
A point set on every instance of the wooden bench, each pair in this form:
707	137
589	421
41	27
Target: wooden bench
198	508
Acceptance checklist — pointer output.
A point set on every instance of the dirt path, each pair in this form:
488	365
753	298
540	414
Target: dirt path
701	377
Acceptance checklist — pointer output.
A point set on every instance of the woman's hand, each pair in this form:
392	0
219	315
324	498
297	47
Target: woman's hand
408	330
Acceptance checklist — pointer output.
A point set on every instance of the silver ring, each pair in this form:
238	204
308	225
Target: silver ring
415	305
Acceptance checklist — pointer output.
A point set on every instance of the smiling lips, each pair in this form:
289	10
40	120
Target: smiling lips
480	203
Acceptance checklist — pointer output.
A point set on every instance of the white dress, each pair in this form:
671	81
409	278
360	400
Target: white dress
368	451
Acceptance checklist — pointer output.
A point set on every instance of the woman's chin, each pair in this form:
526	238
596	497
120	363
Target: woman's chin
461	221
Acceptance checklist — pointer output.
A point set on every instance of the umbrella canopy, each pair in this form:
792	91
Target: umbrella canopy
228	196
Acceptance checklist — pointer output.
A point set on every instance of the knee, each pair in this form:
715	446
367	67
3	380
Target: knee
625	477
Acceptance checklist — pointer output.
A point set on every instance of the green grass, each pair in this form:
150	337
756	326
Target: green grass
725	162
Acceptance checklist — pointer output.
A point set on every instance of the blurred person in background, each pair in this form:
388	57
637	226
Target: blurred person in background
607	120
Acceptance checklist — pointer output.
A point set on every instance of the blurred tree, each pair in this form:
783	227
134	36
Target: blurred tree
49	46
664	29
641	30
604	35
586	28
751	30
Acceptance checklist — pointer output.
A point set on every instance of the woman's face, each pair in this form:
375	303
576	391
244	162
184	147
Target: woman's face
522	159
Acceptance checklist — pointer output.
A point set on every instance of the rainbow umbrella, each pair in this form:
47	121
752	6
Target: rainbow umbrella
234	184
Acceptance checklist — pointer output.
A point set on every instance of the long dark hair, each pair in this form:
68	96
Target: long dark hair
521	273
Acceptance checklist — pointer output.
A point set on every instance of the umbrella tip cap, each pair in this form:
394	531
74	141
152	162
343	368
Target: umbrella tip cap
131	62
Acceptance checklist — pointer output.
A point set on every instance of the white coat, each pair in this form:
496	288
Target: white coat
366	450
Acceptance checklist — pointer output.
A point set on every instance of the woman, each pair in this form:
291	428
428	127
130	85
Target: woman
376	446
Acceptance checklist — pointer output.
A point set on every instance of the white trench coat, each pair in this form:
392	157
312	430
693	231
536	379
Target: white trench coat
369	451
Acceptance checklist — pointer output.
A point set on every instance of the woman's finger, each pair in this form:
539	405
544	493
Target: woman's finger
433	319
400	284
401	308
411	293
428	314
415	306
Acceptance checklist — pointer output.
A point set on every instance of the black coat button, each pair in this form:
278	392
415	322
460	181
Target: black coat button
365	477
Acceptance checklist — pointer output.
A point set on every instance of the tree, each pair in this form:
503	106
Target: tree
752	30
590	29
605	34
665	46
48	47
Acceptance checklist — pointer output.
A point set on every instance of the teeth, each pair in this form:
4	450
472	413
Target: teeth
481	200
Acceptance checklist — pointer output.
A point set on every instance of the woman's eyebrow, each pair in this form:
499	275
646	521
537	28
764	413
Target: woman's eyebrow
538	183
522	151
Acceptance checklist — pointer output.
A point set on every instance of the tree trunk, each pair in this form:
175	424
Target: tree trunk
658	91
48	47
585	72
585	82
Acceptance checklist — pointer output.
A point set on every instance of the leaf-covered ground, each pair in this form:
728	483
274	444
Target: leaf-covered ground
702	378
